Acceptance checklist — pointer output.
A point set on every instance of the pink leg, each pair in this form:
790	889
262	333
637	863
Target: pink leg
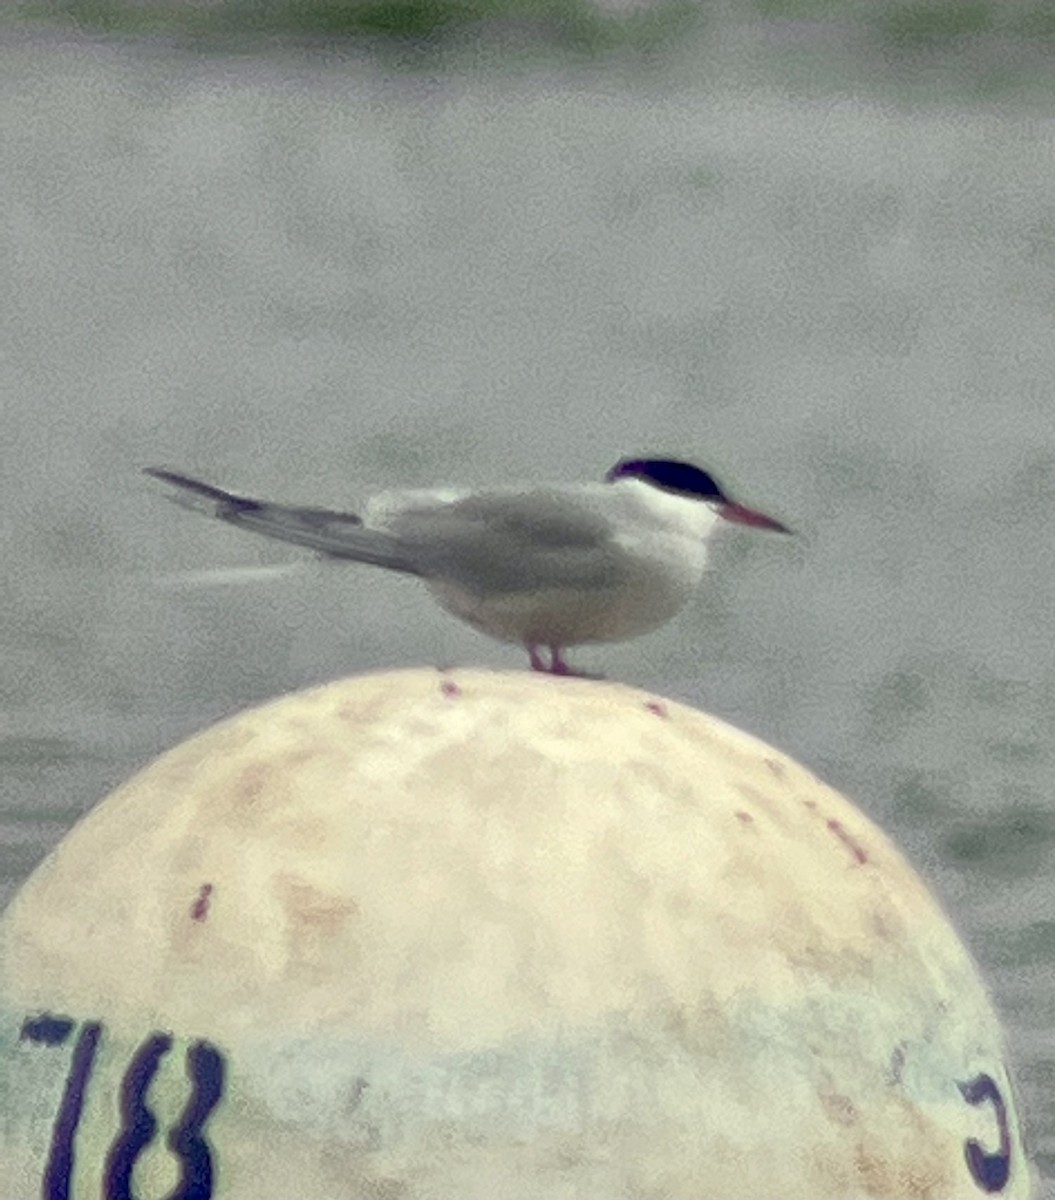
561	666
538	663
560	663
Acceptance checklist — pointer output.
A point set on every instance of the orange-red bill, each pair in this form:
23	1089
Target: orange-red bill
749	516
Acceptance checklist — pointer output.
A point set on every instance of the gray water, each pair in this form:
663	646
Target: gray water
305	274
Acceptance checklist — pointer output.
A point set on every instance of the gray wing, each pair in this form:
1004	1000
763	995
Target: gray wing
335	534
510	542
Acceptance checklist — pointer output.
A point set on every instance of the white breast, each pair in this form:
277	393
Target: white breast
662	540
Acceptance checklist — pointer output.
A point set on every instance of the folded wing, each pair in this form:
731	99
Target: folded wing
489	542
494	542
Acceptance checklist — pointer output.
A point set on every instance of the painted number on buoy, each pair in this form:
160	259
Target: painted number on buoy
989	1169
186	1139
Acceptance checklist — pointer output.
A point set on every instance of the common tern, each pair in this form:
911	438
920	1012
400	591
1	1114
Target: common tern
545	567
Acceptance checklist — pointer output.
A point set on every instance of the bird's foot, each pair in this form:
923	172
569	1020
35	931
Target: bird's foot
573	672
558	664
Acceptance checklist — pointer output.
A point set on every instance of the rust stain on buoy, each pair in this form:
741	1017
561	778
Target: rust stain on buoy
848	840
251	786
916	1178
764	802
308	905
838	1108
199	910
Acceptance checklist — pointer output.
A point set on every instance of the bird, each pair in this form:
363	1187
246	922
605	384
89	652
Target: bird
547	567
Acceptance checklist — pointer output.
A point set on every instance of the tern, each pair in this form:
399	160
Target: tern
546	567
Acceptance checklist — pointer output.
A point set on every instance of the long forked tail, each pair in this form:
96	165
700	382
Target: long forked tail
326	531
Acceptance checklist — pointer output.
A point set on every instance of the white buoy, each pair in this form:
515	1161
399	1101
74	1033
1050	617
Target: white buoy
465	936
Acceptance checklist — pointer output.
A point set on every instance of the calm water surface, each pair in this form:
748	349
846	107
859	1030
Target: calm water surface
304	275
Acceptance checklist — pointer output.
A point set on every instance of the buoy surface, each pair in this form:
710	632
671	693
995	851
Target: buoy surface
465	936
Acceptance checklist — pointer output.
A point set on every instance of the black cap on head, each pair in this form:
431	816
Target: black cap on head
670	476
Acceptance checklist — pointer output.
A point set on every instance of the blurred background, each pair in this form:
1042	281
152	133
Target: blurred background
314	249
